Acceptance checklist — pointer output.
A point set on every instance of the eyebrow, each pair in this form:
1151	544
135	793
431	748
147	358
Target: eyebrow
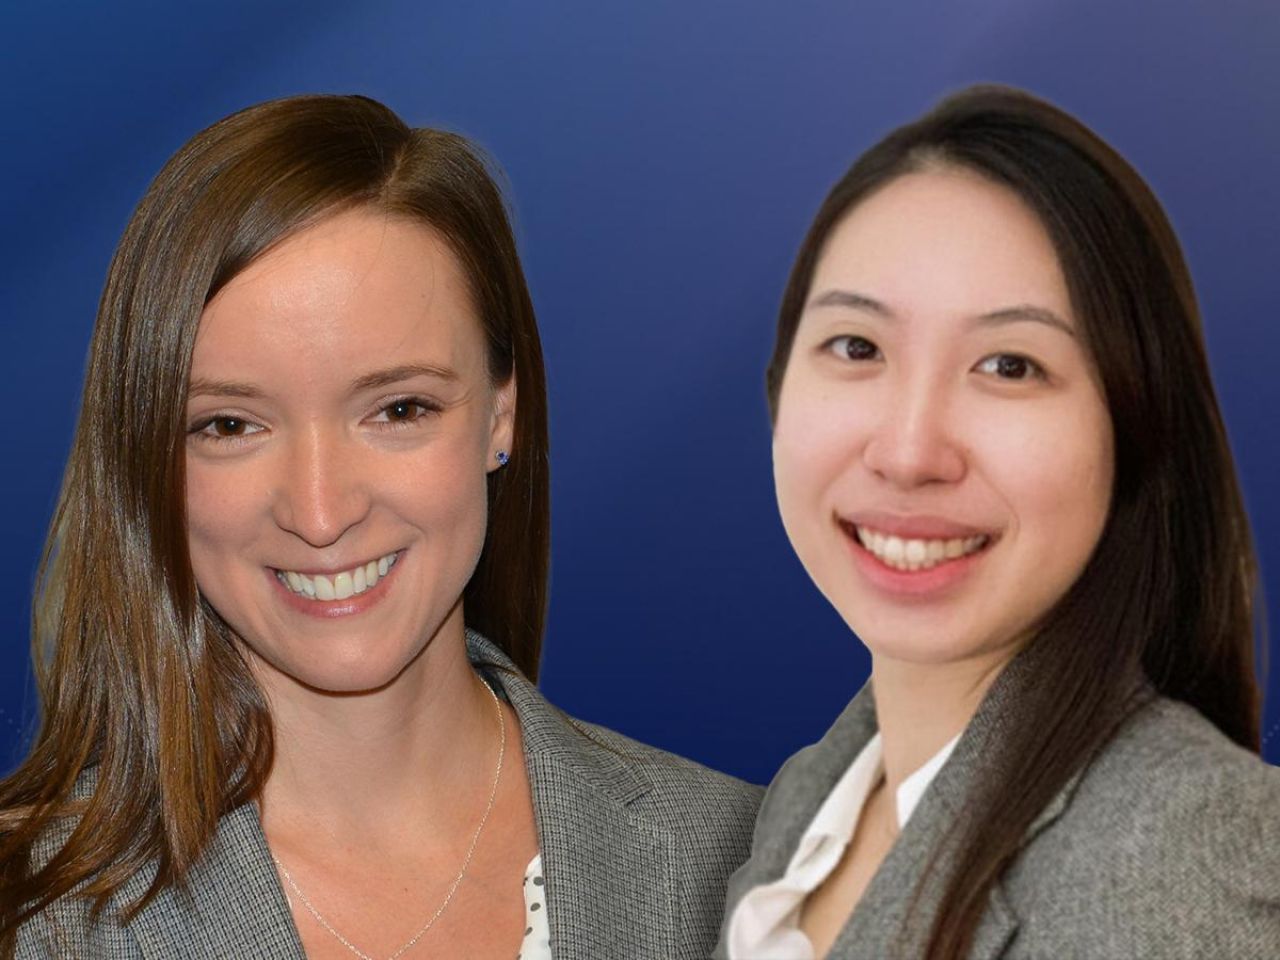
1022	313
855	301
406	371
1019	313
205	386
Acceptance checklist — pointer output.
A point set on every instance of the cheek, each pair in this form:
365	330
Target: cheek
219	502
1056	474
442	490
222	508
814	438
436	493
817	440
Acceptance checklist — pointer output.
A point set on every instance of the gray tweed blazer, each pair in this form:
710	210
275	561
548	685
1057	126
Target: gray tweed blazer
637	846
1167	845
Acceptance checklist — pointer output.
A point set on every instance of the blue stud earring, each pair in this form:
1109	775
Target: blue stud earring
502	458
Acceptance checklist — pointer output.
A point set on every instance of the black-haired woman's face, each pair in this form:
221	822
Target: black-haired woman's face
942	449
341	425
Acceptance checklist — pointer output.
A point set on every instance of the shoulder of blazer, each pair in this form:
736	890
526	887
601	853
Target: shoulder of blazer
230	904
647	779
1172	778
1169	842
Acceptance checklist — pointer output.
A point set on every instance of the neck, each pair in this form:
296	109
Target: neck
920	707
357	764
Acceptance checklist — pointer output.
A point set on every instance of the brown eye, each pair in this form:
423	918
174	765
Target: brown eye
1011	366
854	348
406	411
228	427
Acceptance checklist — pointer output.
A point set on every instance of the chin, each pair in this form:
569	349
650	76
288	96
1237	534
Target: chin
922	651
932	647
349	682
341	672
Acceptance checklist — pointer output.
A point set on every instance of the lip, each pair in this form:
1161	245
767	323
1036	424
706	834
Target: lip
337	568
937	581
916	526
331	609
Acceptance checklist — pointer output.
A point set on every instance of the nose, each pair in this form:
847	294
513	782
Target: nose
913	443
323	489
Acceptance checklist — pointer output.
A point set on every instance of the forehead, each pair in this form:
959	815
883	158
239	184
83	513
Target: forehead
947	241
357	289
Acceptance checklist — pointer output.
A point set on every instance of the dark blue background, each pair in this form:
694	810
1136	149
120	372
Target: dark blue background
665	158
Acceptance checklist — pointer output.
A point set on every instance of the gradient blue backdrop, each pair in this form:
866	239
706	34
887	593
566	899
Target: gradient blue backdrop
664	158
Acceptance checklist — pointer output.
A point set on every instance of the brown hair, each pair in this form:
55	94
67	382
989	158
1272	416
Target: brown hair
1168	596
141	688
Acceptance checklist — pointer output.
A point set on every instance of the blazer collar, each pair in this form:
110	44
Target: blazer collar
550	734
600	854
808	778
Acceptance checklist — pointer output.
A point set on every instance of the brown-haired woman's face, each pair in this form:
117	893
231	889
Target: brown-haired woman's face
942	450
341	425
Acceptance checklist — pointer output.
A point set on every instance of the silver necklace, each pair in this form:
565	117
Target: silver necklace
453	888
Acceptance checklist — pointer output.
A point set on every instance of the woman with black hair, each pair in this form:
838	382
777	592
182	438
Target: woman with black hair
999	456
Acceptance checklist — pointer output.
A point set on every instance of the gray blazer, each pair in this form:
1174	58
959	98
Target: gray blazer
637	845
1167	845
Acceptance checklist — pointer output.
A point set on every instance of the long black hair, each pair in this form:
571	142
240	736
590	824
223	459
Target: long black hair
1167	599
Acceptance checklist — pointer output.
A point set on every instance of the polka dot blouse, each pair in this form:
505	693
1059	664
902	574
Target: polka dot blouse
536	944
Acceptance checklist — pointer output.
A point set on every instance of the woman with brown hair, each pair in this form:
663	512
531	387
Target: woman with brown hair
999	456
290	611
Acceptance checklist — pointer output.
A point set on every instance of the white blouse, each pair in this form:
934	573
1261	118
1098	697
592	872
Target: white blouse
766	922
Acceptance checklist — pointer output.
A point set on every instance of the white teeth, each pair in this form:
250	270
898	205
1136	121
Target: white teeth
895	550
909	554
339	586
342	586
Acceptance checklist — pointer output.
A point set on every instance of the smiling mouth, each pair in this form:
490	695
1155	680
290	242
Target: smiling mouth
337	586
910	554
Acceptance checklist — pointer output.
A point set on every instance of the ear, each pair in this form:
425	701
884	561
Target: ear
502	428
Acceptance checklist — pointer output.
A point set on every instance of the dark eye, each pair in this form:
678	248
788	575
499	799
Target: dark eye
1011	366
406	410
854	348
225	428
229	427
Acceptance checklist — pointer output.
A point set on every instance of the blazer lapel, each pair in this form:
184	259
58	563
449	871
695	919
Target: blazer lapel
232	905
610	873
799	790
877	924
